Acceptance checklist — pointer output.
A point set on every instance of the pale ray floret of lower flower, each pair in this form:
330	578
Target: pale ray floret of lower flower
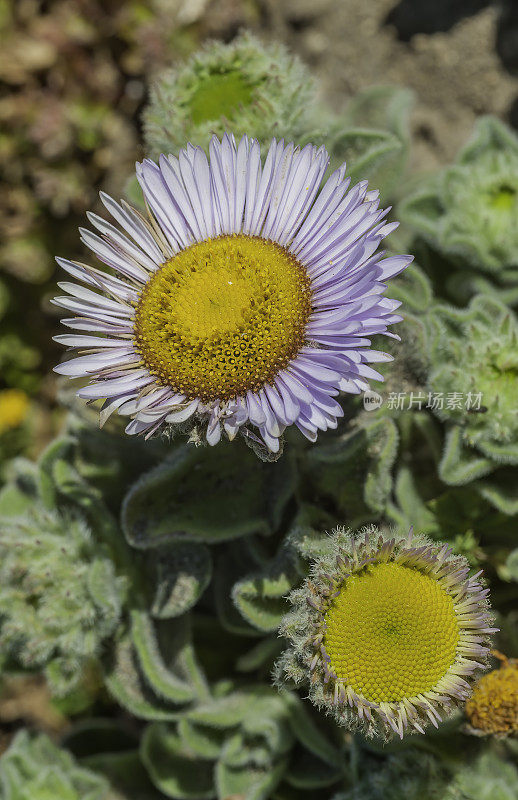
387	632
244	301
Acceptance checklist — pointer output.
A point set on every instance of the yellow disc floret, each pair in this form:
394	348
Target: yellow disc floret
223	316
391	633
493	707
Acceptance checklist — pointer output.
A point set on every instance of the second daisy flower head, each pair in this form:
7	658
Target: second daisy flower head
244	301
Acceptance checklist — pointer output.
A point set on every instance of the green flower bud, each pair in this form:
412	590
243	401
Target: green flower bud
246	86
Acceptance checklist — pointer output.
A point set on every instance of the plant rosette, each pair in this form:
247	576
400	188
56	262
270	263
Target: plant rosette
474	372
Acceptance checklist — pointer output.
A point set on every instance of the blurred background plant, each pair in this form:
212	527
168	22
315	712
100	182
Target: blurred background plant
139	627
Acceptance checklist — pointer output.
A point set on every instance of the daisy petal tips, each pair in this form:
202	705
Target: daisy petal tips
243	301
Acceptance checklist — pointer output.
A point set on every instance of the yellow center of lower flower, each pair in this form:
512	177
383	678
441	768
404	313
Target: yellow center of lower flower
223	316
391	633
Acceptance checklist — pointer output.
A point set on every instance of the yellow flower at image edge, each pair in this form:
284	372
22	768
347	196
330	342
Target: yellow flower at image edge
388	633
14	405
493	706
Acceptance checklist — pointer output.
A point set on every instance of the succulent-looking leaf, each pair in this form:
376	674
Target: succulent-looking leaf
174	769
160	679
125	682
261	596
240	497
183	572
33	768
469	212
459	465
365	457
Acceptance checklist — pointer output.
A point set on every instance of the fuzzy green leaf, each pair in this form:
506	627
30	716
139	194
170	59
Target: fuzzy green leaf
183	572
412	288
159	678
383	113
33	768
489	134
240	497
501	492
411	510
309	735
173	767
382	107
127	685
126	773
362	457
59	449
21	488
307	772
247	783
205	741
460	465
422	211
230	567
368	153
261	596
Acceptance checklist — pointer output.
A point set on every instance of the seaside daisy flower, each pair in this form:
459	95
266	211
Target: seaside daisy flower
387	632
493	707
245	300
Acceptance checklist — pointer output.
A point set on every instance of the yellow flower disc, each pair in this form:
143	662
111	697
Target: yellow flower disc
223	316
391	633
493	707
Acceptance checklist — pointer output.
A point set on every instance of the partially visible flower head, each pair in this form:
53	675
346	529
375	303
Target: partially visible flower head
247	85
387	632
14	405
493	706
246	298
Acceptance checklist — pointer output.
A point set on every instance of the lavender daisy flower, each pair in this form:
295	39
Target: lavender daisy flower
245	300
